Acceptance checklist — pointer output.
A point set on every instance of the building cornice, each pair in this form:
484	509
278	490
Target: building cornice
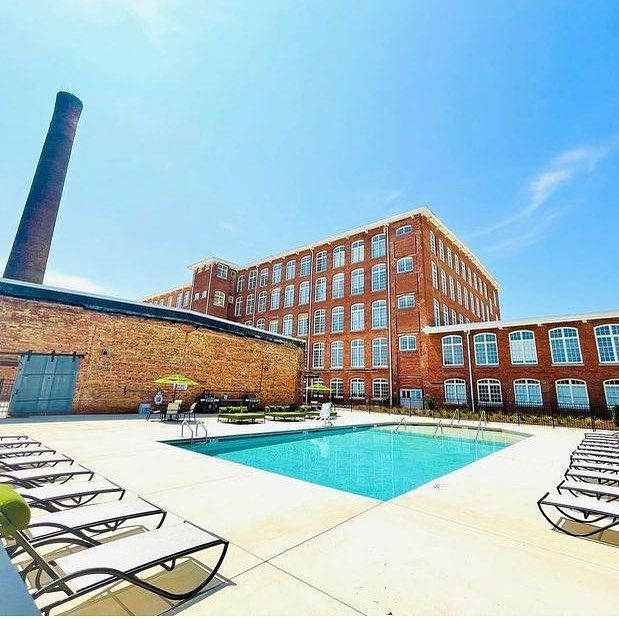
503	324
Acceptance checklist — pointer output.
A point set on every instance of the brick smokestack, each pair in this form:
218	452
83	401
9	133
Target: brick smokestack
30	250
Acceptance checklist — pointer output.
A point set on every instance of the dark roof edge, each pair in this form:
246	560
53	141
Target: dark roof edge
37	292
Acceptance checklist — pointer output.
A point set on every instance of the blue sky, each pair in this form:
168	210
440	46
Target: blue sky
241	129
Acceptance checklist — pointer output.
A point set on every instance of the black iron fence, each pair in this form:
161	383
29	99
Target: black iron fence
554	415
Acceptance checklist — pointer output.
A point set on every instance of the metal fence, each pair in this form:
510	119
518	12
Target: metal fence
552	415
6	388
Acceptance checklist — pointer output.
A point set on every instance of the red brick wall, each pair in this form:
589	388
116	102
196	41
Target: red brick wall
590	370
143	349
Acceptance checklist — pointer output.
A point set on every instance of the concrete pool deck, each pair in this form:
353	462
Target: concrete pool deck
471	542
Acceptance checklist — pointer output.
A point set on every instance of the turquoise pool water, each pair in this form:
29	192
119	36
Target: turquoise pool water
376	462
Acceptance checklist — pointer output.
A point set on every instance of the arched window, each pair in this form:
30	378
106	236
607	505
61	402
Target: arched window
289	296
337	355
337	286
238	305
407	342
486	352
219	299
319	321
275	298
522	347
321	261
262	301
379	277
356	251
455	391
357	285
291	266
379	352
339	256
337	320
404	265
306	266
564	345
379	314
249	305
304	293
287	324
357	388
260	323
607	339
357	354
302	324
572	393
489	392
527	392
320	291
380	389
379	245
318	355
453	350
404	230
337	388
356	317
406	301
611	391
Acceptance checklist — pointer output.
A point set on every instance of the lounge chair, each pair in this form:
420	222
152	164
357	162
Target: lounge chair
12	437
284	415
604	435
40	475
53	497
583	455
602	477
238	417
19	442
597	451
100	566
34	461
594	466
600	515
25	451
598	491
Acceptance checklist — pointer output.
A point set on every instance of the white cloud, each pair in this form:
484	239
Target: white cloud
558	173
72	282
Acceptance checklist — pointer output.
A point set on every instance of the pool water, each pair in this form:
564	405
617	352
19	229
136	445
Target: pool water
376	462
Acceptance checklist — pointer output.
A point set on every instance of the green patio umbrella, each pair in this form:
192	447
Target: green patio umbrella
175	380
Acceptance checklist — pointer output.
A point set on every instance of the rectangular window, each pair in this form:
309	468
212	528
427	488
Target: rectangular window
404	265
357	388
185	299
318	356
339	257
306	266
379	352
486	351
380	389
357	251
522	347
273	326
277	273
337	286
219	300
565	345
320	292
222	271
337	388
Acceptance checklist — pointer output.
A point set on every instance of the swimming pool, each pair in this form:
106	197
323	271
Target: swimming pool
376	462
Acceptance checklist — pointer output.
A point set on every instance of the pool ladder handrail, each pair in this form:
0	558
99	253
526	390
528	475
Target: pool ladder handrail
198	424
402	421
480	429
439	425
454	416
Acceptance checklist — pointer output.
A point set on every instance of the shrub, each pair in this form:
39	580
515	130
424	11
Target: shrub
615	415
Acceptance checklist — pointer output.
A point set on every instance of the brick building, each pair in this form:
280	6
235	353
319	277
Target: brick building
63	351
359	300
568	363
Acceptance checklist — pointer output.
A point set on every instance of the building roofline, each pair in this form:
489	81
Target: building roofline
502	324
422	210
163	292
214	260
38	292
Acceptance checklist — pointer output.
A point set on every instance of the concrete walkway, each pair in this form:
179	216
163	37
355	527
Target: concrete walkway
471	542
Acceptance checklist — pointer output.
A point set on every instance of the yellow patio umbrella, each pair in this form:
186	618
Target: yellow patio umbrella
318	387
175	380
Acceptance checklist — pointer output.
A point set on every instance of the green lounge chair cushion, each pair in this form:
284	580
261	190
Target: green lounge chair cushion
14	510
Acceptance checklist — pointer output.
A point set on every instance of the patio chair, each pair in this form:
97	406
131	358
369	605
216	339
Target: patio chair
598	491
600	515
116	561
602	477
54	497
40	475
325	413
24	462
25	451
79	525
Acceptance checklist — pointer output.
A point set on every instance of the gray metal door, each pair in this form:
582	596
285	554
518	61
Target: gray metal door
411	398
44	384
